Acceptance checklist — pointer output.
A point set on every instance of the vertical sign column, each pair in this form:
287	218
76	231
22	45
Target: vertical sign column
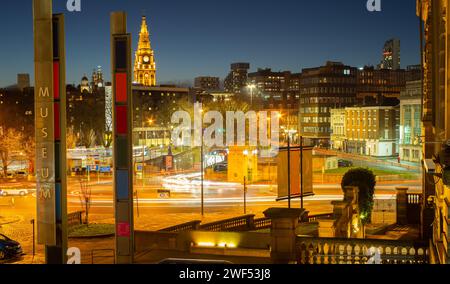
123	149
44	122
58	252
50	135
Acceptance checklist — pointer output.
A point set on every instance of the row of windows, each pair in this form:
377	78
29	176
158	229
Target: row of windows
316	119
325	110
328	80
311	129
327	90
320	100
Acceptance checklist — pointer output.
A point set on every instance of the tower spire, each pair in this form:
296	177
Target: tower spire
144	65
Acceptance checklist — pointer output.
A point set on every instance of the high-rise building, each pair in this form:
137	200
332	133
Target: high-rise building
236	80
144	64
322	89
269	84
207	83
374	85
391	55
23	81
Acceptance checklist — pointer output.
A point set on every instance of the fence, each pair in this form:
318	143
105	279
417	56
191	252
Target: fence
238	224
359	251
189	226
75	218
262	223
244	223
413	208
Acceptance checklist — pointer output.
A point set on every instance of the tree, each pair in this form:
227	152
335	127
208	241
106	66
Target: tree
29	148
10	142
71	138
365	180
85	197
88	138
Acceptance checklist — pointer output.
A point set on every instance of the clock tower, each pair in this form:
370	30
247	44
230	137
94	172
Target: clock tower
144	64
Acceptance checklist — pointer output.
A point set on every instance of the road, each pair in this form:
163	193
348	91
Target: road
220	197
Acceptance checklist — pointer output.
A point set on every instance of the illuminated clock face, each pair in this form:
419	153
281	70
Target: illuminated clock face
146	59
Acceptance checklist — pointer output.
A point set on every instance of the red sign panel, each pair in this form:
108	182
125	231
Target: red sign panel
57	122
121	120
123	230
121	87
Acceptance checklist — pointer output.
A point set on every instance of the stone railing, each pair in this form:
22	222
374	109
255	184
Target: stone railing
414	198
189	226
238	224
263	223
360	251
315	218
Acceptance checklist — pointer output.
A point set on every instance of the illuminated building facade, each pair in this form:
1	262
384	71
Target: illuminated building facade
410	122
436	128
144	64
207	83
371	131
322	89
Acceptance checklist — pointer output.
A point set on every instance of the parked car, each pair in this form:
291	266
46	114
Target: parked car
9	249
221	168
10	176
21	174
345	164
15	192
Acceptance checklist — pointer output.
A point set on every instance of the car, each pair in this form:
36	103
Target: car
221	168
15	192
345	164
9	249
10	176
21	174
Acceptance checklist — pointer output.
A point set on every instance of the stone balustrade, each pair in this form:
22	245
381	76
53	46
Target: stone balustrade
358	251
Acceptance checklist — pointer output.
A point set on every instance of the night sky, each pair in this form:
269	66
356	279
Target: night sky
202	37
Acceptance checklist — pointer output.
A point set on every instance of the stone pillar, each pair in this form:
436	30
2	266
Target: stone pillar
351	194
402	204
327	228
283	232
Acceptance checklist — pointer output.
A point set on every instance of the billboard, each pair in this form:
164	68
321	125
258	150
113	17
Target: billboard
295	173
